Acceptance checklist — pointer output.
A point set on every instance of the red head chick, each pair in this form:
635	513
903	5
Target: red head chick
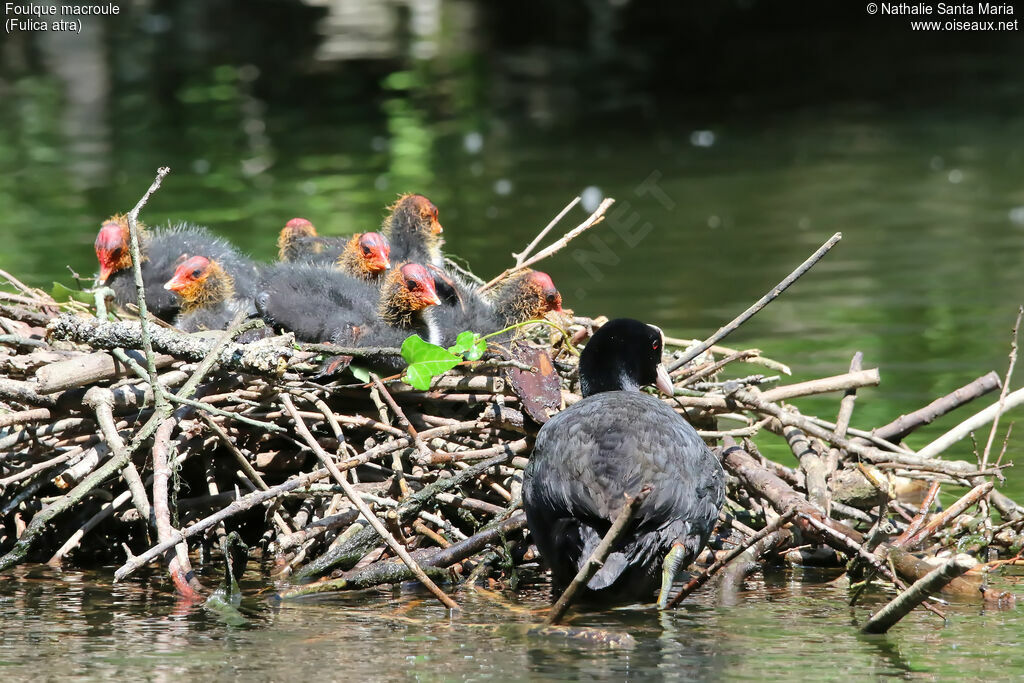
112	247
408	289
294	233
200	282
366	255
526	295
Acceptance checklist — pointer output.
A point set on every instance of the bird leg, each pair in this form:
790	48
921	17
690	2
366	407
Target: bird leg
670	568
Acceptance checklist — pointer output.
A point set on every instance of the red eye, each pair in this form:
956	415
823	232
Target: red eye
654	346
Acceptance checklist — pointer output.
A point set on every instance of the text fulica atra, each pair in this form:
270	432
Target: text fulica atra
616	441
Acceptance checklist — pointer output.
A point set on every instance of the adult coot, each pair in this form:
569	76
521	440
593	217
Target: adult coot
614	442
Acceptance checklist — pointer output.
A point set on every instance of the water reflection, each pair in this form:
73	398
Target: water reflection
782	626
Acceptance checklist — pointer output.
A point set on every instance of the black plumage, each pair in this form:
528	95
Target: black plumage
211	296
319	304
614	442
526	295
414	232
316	303
162	250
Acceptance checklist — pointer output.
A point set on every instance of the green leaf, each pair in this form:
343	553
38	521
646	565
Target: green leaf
61	294
469	345
360	373
426	361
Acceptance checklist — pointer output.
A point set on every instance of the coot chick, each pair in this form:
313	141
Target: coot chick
162	251
298	241
319	304
209	297
526	295
406	306
366	256
312	301
616	441
413	231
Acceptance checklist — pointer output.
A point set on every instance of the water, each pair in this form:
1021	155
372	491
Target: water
780	627
730	165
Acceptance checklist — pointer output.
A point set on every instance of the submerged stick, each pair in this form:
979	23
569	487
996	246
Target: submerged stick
746	315
932	582
597	558
705	576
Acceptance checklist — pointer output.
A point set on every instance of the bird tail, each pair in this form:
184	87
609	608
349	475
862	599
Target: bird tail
616	563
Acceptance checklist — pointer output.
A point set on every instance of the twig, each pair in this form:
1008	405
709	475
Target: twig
133	233
597	558
851	380
981	418
363	508
932	582
521	256
746	315
593	220
702	578
177	563
101	400
1002	394
948	515
905	424
915	524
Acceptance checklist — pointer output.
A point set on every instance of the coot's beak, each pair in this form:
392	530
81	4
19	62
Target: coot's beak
106	271
664	382
176	283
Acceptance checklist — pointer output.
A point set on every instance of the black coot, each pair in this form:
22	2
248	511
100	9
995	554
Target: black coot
614	442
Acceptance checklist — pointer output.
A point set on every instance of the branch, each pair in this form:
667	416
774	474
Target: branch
521	256
597	558
932	582
133	233
593	220
746	315
363	508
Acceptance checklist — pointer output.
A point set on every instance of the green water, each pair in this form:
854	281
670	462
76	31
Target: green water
763	135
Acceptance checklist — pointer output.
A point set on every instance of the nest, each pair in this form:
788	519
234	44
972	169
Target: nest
346	484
